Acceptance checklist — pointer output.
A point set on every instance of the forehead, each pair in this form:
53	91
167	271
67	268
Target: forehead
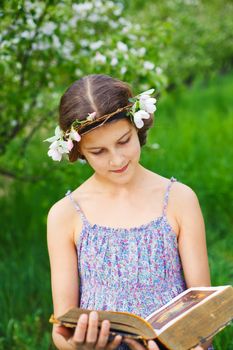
109	132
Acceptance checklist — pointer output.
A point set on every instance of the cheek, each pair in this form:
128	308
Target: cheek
135	149
96	163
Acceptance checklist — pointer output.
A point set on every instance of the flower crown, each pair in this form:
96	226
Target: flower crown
62	142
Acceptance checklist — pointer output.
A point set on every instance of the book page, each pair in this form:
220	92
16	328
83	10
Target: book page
178	307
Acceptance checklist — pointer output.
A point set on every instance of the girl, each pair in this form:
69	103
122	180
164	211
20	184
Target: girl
127	239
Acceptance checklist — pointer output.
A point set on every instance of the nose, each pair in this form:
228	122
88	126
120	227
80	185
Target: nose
116	160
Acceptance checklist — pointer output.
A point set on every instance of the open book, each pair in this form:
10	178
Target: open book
189	319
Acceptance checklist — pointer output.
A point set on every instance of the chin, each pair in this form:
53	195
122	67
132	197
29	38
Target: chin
123	178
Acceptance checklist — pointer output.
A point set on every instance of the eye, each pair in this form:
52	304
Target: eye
97	152
125	141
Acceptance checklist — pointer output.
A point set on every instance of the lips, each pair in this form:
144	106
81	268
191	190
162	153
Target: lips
120	170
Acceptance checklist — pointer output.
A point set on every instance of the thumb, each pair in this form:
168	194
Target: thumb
64	331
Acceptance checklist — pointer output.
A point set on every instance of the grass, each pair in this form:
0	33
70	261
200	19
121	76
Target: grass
193	128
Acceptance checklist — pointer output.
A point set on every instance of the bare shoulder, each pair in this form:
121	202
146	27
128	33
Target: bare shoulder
183	193
60	211
62	219
179	190
184	199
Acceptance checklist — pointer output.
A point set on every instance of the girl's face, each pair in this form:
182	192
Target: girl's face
112	150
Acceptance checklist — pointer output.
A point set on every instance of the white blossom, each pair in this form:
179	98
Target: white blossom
100	58
117	12
109	4
90	31
158	70
73	22
48	28
96	45
26	107
79	8
36	6
56	41
58	145
99	4
94	17
123	21
58	135
31	23
84	42
154	146
114	61
78	72
138	116
132	37
141	52
26	34
125	30
64	27
123	70
55	155
74	135
122	46
13	122
146	102
15	40
133	51
113	24
67	49
29	5
148	65
137	26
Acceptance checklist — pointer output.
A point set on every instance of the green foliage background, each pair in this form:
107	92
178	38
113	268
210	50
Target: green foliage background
183	49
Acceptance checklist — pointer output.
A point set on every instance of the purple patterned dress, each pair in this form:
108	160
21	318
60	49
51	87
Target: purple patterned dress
135	270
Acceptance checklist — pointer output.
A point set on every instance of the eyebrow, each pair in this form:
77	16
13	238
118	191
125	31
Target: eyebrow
91	148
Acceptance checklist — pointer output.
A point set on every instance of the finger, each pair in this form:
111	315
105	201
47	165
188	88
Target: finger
152	345
115	343
104	335
133	344
92	329
81	329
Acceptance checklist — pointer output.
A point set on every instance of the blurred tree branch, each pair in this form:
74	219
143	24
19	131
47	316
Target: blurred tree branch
16	176
45	45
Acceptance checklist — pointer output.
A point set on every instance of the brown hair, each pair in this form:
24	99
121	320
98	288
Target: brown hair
96	92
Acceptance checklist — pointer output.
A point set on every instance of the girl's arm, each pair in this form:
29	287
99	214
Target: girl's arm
65	286
192	240
63	264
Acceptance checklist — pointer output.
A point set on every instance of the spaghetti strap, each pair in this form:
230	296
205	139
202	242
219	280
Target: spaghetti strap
77	207
166	196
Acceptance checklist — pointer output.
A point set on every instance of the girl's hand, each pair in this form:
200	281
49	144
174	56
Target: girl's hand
86	335
135	345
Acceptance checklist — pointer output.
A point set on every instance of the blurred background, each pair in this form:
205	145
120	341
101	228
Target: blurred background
182	48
